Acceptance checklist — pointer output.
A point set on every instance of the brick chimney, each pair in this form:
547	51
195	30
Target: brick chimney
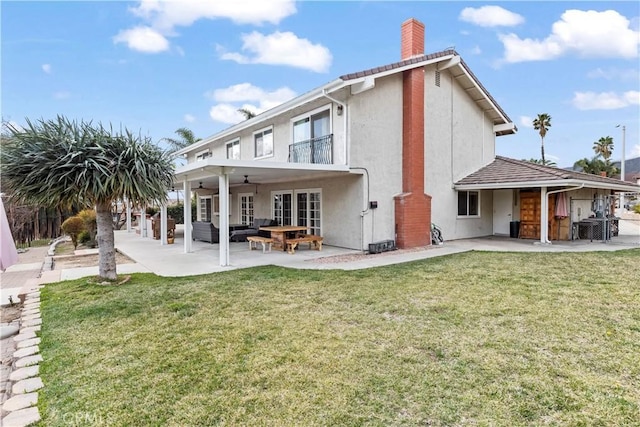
413	207
412	37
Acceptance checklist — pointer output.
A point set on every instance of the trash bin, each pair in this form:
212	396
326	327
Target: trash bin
514	229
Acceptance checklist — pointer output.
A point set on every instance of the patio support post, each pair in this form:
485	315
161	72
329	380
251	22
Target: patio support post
128	216
544	216
163	224
223	181
187	216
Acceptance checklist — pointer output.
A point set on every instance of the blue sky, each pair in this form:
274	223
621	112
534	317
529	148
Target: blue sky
157	66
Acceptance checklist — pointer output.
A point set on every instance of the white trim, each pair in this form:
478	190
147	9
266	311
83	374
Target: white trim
458	216
549	183
253	202
235	141
295	206
253	142
200	153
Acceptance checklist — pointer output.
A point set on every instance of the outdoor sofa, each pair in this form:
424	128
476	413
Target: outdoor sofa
254	230
205	231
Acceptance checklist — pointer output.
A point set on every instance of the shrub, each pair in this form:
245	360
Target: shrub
73	227
636	208
84	238
88	216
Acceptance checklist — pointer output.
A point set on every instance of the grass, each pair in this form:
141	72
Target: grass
493	339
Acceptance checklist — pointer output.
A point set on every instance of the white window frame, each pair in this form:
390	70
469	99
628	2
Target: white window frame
250	215
467	203
308	115
202	208
232	144
294	205
261	132
203	155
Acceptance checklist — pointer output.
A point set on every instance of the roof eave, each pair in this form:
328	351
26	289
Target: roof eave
548	183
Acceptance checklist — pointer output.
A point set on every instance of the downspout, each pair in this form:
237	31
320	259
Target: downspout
325	93
563	190
366	208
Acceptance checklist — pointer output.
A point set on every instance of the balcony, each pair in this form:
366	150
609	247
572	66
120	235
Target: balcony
316	150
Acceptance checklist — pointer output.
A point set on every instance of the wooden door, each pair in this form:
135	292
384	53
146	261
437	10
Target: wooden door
530	216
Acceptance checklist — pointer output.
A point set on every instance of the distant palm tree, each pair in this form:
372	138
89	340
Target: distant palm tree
248	114
604	147
542	123
186	138
541	162
595	166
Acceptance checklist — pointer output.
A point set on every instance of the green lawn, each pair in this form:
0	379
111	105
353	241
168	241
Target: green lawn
496	339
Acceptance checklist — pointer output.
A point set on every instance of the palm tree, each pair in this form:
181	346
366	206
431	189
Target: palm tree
595	166
604	147
248	114
60	163
542	124
186	138
541	162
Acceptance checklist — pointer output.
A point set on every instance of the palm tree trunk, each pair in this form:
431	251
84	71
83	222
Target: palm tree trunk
106	243
544	162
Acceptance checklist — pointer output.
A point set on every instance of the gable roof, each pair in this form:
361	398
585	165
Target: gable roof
462	74
504	172
446	59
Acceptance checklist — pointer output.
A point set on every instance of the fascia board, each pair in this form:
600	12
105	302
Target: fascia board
551	183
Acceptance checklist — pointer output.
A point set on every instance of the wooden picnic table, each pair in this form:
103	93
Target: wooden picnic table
280	233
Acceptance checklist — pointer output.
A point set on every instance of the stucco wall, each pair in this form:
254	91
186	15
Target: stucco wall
459	140
376	144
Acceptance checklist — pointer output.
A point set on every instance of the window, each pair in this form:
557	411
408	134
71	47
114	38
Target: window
300	207
308	209
312	126
282	207
205	208
263	143
246	208
468	203
202	155
233	149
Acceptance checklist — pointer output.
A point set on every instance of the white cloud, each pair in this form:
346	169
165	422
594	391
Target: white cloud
165	15
588	34
245	95
143	39
612	73
189	118
635	151
490	16
526	121
161	18
281	48
605	100
46	68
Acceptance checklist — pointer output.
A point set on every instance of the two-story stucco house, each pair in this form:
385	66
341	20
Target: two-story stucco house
373	155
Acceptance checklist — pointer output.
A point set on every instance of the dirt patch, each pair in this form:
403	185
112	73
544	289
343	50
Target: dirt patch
77	261
9	313
360	256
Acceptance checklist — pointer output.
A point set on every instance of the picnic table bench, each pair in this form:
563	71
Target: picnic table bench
292	244
254	240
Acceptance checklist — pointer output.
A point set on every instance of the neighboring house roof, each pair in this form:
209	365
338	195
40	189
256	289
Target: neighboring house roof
504	172
363	80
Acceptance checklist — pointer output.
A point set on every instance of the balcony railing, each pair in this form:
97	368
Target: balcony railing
316	150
